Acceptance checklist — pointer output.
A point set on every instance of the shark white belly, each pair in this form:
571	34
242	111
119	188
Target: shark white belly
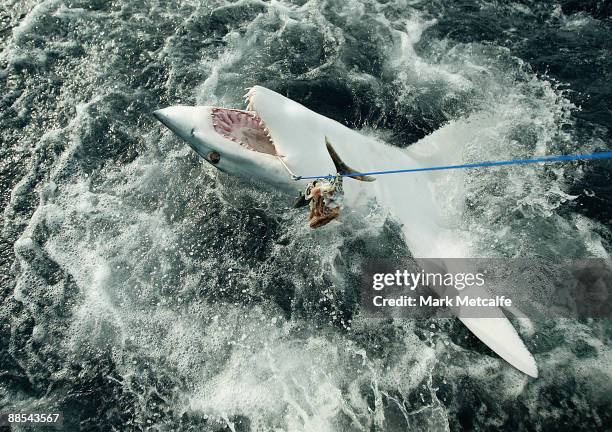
276	134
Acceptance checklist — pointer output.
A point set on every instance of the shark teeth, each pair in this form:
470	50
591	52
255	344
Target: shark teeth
245	128
248	98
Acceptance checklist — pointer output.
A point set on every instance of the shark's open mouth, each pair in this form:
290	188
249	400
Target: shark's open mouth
243	127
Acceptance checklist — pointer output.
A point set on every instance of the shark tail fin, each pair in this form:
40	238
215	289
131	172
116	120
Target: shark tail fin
343	168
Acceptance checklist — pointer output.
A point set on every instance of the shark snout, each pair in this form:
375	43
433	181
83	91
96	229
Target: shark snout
179	119
192	124
159	115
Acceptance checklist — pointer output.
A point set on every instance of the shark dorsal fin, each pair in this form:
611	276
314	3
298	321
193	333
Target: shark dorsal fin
341	167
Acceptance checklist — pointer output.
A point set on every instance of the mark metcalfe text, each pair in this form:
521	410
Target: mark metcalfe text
411	280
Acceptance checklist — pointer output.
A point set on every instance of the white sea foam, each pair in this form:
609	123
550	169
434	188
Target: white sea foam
144	244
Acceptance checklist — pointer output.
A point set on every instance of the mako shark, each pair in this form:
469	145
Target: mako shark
277	140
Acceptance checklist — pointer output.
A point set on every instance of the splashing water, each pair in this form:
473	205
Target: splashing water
143	289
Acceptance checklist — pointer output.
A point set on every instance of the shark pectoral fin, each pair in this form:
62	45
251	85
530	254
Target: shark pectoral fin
341	167
301	201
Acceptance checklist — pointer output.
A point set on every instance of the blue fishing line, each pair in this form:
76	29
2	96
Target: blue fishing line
545	159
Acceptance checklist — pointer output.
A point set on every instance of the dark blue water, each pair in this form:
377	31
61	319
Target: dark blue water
141	289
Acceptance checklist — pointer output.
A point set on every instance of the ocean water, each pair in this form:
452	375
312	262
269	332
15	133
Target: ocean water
143	290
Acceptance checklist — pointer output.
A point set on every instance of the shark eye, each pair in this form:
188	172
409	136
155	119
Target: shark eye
213	157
